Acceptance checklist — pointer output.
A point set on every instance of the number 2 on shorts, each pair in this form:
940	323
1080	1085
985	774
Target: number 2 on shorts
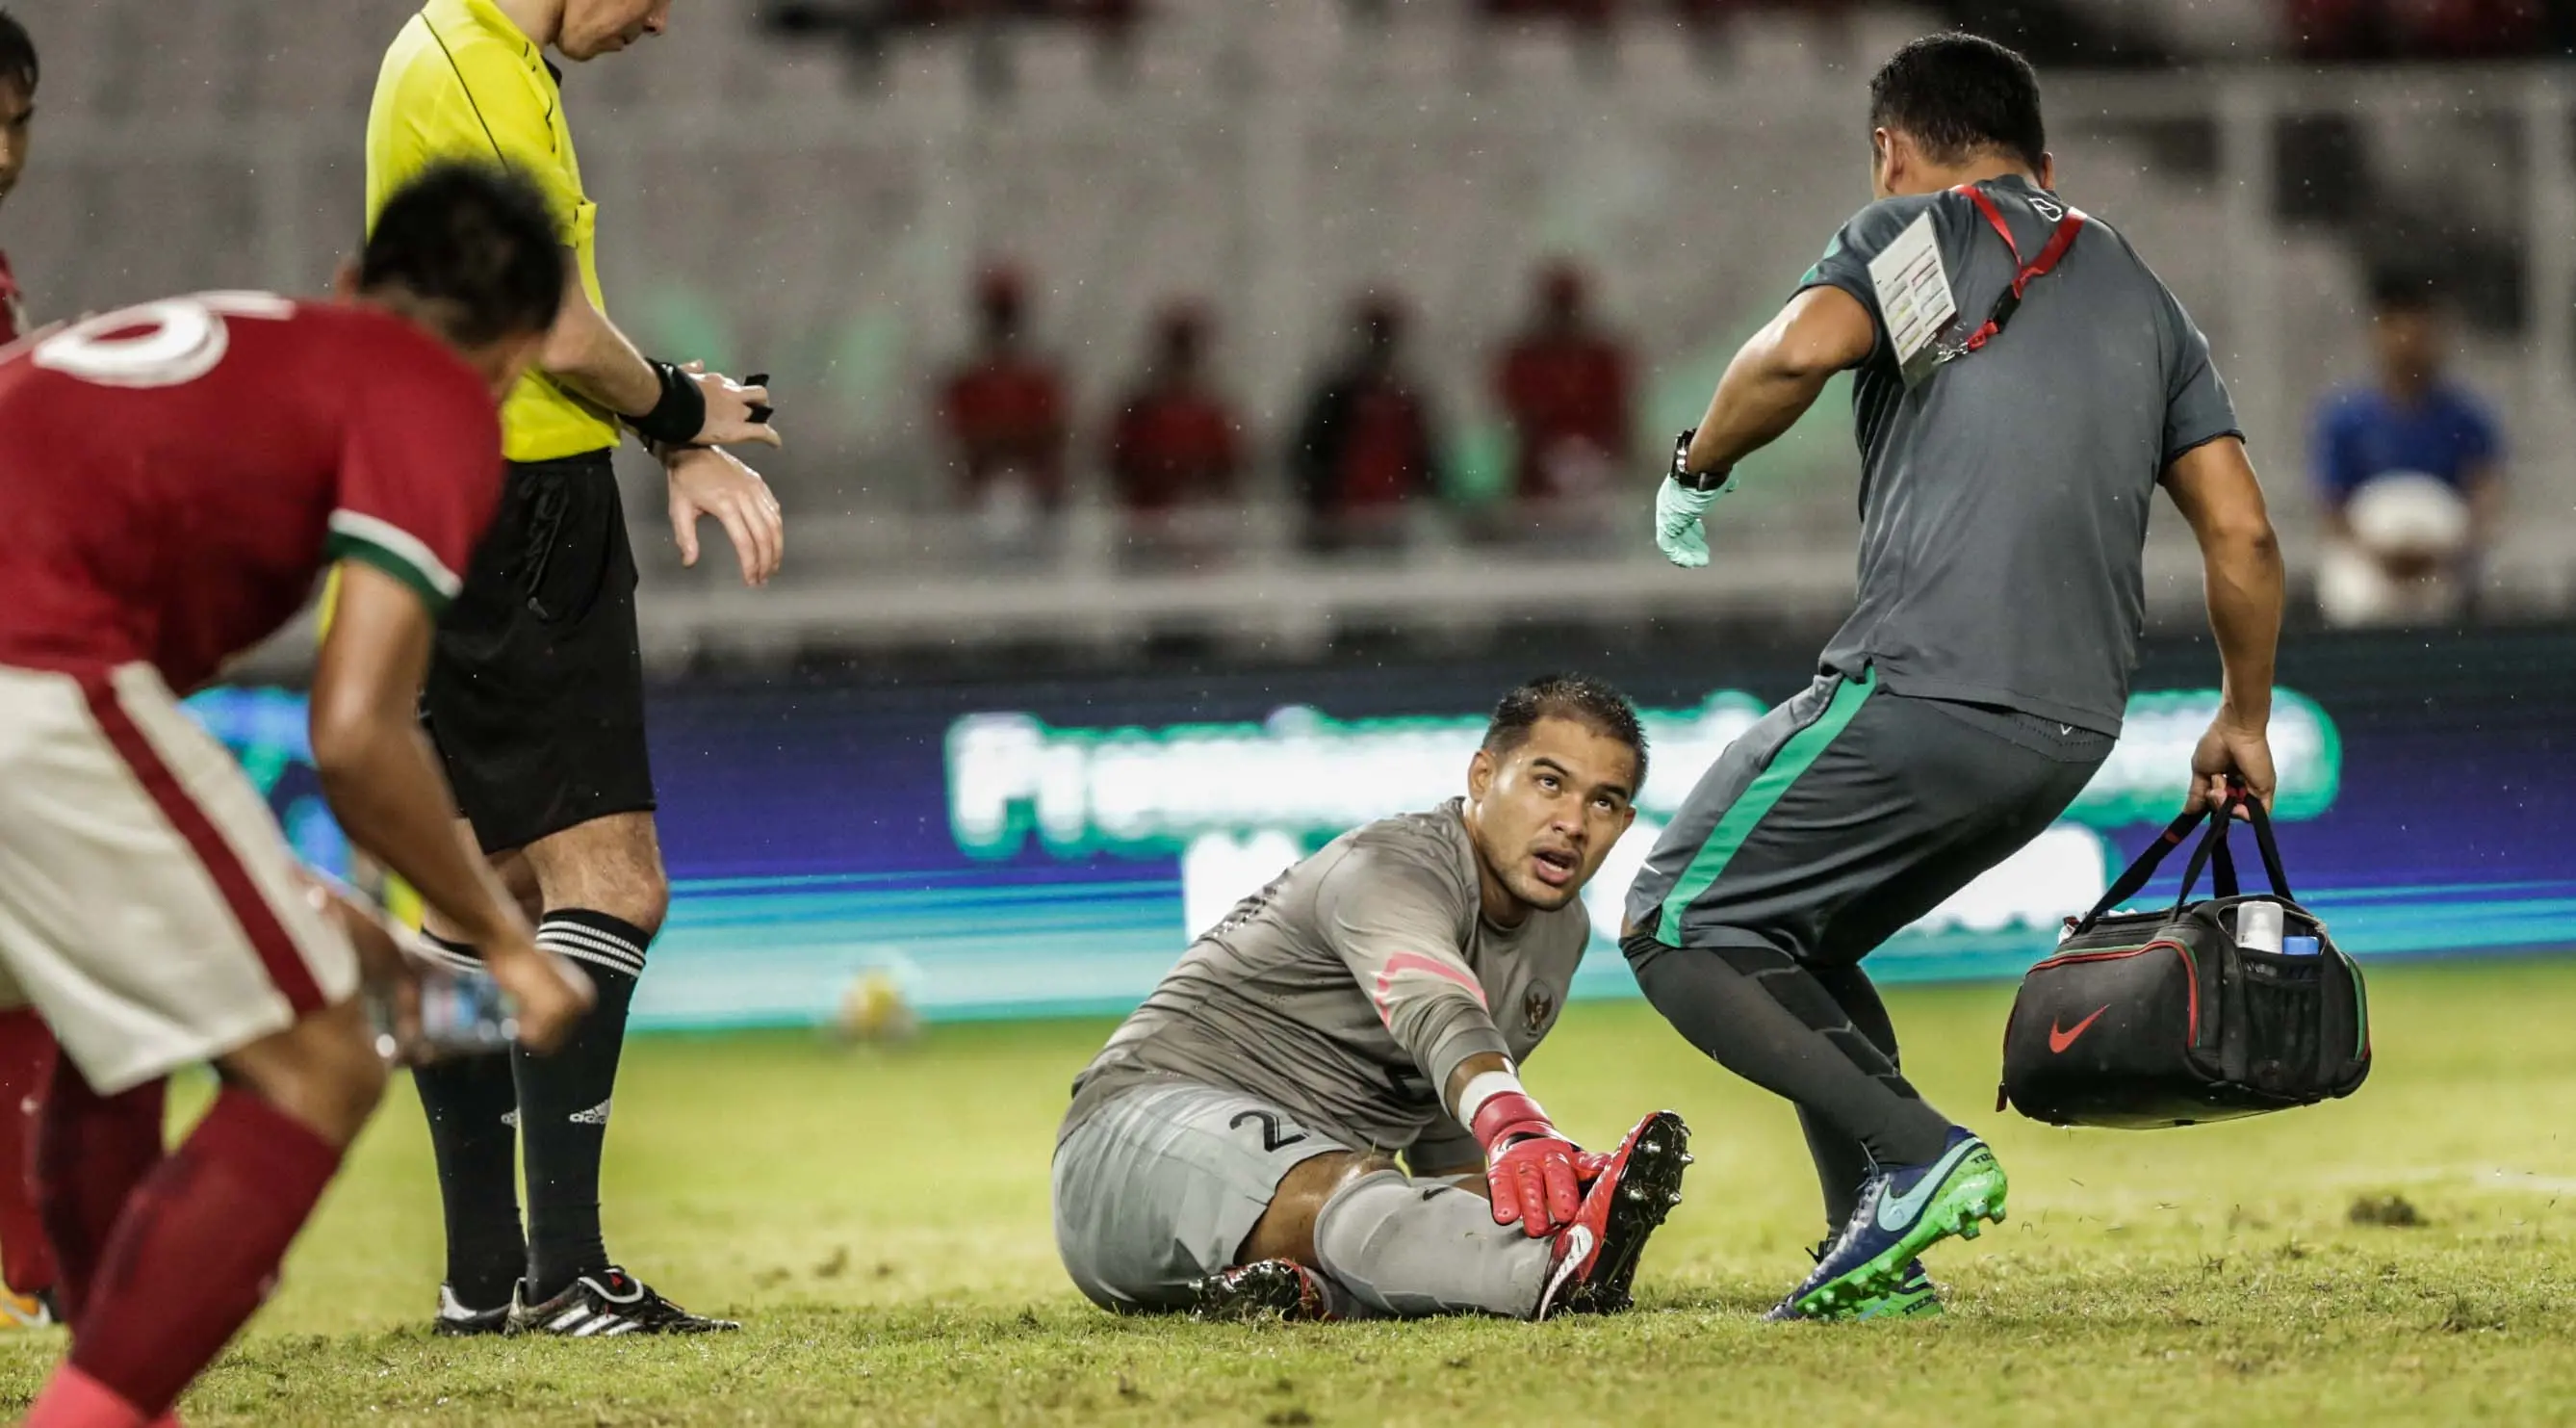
1271	1139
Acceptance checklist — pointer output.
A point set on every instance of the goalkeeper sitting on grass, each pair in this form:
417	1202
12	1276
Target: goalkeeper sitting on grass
1233	1148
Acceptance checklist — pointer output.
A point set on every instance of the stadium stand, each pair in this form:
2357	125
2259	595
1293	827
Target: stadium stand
1278	162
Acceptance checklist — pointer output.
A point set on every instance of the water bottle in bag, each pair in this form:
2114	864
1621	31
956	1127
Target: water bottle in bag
2258	926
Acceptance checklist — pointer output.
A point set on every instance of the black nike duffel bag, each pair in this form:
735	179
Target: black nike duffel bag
2165	1018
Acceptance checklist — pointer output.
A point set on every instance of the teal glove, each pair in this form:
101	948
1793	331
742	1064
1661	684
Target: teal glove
1679	508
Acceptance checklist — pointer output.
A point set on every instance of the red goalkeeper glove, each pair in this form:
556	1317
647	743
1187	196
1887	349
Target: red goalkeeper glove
1532	1170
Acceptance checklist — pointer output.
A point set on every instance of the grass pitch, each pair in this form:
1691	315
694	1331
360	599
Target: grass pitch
879	1217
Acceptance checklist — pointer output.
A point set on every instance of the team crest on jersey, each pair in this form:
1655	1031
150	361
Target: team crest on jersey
1536	1007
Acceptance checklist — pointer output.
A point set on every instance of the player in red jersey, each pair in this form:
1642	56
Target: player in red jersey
26	1048
179	475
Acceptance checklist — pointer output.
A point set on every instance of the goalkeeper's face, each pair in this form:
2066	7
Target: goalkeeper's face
1545	814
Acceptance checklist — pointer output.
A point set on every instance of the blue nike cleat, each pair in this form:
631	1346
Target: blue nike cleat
1903	1211
1914	1297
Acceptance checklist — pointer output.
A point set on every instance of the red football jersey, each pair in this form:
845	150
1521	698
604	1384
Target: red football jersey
177	474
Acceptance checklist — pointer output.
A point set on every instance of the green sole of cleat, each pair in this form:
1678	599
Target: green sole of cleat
1973	1198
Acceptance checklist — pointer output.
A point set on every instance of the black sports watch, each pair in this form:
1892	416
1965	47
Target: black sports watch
1685	477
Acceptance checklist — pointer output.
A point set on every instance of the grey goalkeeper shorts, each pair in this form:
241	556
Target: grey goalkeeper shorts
1157	1187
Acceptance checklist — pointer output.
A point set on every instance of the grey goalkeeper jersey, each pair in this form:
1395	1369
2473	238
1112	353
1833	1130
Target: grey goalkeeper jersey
1347	990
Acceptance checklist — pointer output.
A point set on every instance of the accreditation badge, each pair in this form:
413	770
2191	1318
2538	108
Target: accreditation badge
1914	299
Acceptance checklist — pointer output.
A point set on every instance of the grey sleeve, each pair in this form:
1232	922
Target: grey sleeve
1845	264
1395	919
2197	407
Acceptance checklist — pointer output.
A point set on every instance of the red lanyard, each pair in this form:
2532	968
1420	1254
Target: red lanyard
2010	300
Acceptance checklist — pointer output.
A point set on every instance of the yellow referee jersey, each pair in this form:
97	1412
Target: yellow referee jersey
461	82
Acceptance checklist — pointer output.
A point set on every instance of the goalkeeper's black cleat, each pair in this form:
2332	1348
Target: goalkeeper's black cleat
610	1304
1264	1289
455	1321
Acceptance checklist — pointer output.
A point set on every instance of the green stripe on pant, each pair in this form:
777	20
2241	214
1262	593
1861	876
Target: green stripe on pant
1802	750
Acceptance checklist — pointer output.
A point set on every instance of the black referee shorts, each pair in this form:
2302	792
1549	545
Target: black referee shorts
535	696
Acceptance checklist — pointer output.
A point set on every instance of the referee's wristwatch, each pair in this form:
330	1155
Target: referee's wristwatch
1688	479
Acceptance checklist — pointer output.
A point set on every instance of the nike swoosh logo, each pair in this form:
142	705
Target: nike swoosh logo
2058	1040
1578	1244
1898	1215
1569	1266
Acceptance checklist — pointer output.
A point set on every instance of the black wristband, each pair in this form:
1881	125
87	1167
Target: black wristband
1694	480
681	412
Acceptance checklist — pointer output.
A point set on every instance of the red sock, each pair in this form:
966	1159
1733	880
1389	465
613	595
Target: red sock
26	1054
197	1249
72	1399
91	1151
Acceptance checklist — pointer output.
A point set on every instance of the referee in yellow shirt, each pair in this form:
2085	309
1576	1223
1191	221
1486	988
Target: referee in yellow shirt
535	693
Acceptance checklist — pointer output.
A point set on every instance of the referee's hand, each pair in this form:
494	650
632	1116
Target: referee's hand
730	404
709	482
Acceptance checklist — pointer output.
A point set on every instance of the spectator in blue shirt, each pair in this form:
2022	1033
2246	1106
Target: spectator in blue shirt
2408	469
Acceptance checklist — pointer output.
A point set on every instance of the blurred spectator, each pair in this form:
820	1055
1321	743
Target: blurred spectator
1004	413
2416	29
2407	469
1708	14
1574	12
1109	13
1176	441
1564	384
1367	442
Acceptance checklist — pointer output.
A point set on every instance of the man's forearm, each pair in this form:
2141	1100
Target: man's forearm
1779	373
1468	1070
1763	394
2243	575
386	791
587	354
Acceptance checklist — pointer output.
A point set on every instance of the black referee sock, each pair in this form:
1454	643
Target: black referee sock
564	1101
469	1102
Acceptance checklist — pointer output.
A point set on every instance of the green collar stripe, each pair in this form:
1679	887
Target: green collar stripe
1738	822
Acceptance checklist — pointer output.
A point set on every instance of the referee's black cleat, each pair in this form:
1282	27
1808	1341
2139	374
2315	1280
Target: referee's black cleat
455	1321
1595	1258
610	1304
1264	1289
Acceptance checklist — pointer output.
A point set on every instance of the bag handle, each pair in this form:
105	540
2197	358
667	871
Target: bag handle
2211	851
2214	854
2271	851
